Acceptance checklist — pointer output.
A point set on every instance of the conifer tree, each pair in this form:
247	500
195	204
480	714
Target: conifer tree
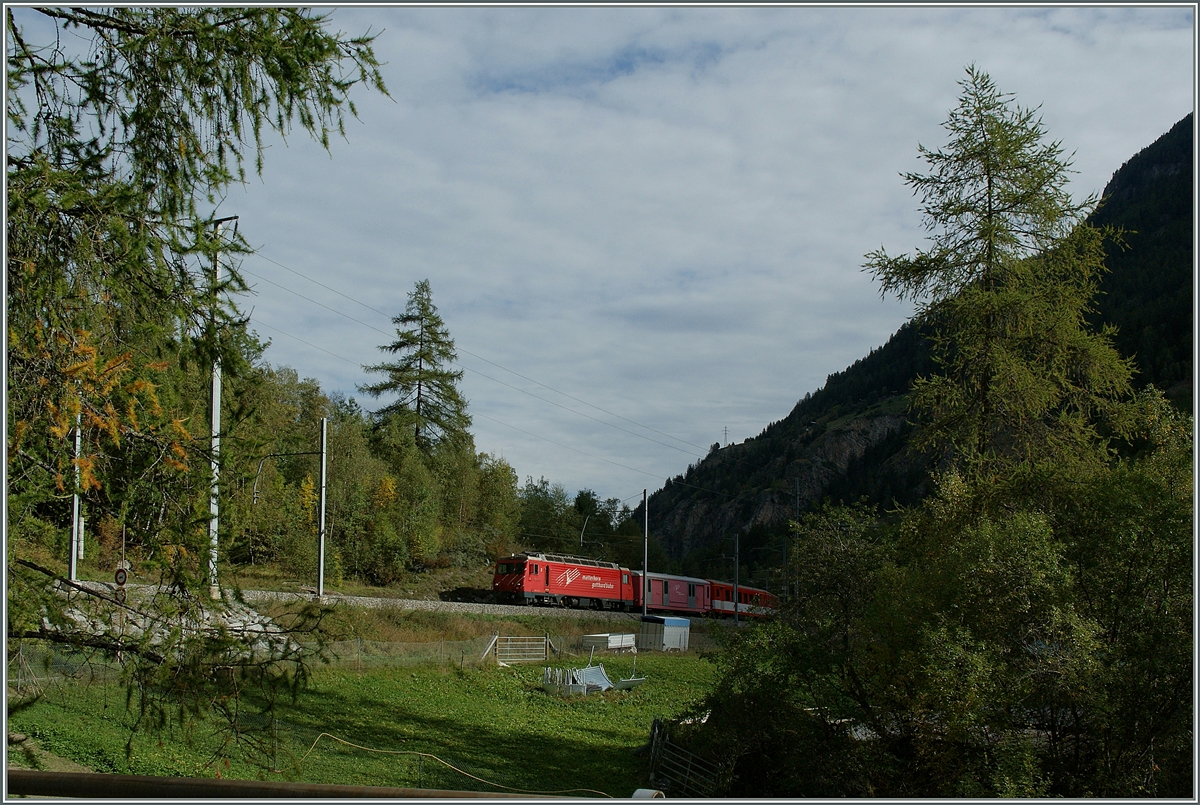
1007	283
428	399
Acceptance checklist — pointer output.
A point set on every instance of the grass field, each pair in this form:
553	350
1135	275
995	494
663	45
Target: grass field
491	722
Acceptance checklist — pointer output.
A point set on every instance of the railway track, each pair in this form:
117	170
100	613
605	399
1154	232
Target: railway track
254	596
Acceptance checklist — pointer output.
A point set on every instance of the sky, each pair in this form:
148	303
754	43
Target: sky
644	227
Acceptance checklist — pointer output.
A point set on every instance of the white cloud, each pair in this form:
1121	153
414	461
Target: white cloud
661	211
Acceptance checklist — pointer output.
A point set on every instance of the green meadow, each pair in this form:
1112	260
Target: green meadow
485	728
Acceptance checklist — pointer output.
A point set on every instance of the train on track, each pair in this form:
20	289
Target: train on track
549	579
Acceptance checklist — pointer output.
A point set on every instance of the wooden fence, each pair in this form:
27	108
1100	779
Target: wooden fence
680	773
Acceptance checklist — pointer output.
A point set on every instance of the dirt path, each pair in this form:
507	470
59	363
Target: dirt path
25	753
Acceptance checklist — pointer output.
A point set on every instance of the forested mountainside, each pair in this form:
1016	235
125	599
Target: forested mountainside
1147	294
848	439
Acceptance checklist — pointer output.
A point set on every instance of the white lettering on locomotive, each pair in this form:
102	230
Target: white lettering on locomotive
567	576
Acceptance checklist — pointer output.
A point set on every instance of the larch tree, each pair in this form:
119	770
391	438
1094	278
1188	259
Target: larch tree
1007	283
126	127
426	388
1026	630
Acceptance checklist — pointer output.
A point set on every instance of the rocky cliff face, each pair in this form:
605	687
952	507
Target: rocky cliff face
816	460
849	439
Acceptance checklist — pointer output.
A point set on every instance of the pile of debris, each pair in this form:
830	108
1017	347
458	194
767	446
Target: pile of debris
590	679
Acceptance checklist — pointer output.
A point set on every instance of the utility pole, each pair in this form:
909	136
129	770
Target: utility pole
645	552
76	535
726	434
321	549
737	603
215	406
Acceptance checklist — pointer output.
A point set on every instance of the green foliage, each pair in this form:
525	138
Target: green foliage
1027	629
125	130
1007	285
585	526
1146	295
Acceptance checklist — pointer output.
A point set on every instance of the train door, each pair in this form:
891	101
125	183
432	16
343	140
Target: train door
691	596
539	577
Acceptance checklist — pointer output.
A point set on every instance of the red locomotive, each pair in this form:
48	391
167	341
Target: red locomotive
557	580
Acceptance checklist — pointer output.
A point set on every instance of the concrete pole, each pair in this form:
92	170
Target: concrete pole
76	537
645	553
321	547
736	597
215	405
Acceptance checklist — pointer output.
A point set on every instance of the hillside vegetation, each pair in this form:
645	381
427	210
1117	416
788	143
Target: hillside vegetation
1026	627
850	438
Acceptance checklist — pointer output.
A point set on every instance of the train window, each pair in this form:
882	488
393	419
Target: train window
624	578
691	590
503	569
533	570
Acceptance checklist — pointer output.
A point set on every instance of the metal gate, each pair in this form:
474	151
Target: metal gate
522	649
678	772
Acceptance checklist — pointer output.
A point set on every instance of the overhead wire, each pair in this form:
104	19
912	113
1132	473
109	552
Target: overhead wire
535	435
486	376
469	368
495	380
479	357
484	416
376	310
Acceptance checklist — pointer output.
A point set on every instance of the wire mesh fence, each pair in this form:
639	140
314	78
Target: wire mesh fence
32	664
366	654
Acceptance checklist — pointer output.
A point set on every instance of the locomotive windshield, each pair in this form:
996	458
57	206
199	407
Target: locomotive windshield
504	568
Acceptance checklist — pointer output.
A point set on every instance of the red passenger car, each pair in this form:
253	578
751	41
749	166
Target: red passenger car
682	594
752	602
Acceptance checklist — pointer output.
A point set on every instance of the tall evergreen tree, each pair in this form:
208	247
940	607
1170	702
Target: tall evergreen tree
1007	284
428	398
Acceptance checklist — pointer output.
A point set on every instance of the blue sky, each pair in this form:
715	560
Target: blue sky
659	213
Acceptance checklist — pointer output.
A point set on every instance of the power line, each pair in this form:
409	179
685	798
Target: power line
469	368
496	380
568	447
473	355
484	416
260	323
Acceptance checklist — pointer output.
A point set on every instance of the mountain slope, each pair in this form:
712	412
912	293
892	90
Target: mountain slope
848	439
1148	291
